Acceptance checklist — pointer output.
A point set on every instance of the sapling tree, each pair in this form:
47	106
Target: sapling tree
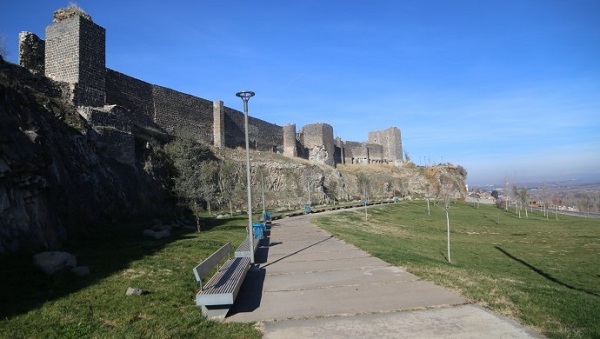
523	196
427	197
506	193
363	184
228	177
516	194
446	208
446	188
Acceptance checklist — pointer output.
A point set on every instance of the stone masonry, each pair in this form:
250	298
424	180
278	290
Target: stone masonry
113	102
75	53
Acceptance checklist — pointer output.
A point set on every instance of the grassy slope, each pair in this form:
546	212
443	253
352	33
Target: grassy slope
34	306
544	273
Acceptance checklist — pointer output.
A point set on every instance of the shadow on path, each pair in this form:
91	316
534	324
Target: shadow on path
298	251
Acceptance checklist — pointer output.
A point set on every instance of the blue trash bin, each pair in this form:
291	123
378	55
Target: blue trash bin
258	230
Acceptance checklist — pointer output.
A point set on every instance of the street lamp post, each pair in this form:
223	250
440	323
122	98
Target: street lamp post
262	190
246	95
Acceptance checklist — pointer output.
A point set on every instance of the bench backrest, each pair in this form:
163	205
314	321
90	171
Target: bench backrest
209	263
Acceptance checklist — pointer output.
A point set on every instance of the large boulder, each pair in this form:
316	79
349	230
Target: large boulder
54	261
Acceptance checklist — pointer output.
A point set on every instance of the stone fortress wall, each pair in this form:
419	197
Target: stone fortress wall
113	102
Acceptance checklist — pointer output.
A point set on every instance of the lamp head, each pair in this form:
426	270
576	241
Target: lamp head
245	95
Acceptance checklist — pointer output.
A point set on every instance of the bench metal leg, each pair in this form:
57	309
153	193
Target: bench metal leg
215	313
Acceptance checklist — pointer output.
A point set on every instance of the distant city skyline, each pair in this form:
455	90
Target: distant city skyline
502	88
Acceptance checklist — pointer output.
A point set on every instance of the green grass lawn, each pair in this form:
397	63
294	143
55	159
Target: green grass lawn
35	306
543	273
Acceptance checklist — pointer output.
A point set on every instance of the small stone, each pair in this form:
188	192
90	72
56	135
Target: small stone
135	291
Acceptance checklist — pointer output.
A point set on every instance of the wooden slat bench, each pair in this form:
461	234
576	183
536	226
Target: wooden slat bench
218	294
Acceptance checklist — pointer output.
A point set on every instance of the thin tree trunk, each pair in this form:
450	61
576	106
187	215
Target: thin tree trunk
197	216
448	224
428	211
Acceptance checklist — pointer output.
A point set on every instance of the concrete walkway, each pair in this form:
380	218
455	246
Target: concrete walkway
311	285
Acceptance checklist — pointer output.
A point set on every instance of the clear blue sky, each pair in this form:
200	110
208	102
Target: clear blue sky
504	88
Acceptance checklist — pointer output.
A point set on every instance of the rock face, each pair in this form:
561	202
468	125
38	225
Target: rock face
53	181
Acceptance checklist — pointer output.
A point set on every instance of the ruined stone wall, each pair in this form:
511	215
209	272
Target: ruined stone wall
375	153
355	152
262	135
318	140
31	52
75	53
391	141
113	134
132	93
178	112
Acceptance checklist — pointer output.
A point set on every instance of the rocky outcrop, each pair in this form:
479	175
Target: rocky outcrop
54	184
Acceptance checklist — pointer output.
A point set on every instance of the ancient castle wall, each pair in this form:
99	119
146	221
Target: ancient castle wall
289	140
391	140
375	153
31	52
218	124
112	131
132	93
75	53
177	112
262	135
318	140
355	152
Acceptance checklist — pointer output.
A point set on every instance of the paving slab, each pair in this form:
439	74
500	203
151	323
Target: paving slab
344	300
309	284
337	278
322	265
465	321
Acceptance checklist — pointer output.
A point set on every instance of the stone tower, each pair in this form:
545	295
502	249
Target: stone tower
76	53
289	140
318	140
218	124
391	140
